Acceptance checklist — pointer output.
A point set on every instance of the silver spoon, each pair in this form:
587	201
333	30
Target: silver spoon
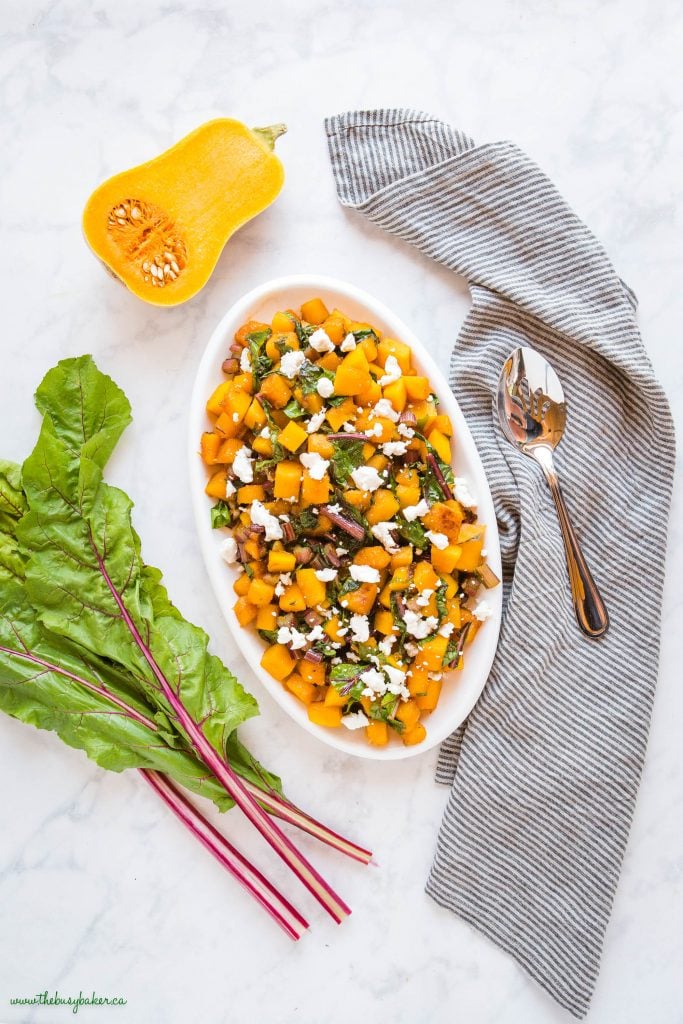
532	413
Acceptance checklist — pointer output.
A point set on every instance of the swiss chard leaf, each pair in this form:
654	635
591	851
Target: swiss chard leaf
294	410
261	364
414	532
309	376
303	522
221	515
348	455
87	583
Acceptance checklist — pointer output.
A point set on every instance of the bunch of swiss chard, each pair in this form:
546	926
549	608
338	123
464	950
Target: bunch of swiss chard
92	648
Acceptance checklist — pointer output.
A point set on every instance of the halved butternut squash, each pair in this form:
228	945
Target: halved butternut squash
160	227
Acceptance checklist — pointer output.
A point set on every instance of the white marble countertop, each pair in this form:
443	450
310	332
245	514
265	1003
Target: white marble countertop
99	887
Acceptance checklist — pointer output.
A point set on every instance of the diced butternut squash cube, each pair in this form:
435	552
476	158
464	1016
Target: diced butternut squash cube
441	445
377	733
445	517
249	493
319	443
424	576
301	688
330	361
314	311
360	601
332	627
280	561
278	344
251	327
229	449
374	556
431	697
341	414
277	661
287	480
408	712
313	589
418	681
396	393
210	444
276	390
417	388
432	653
370	394
411	737
400	578
293	436
359	499
470	555
267	616
241	584
226	426
384	507
312	671
390	347
324	714
314	492
446	559
281	323
260	593
334	329
255	417
369	346
443	424
292	600
245	611
215	488
215	402
402	557
262	445
352	374
333	698
384	622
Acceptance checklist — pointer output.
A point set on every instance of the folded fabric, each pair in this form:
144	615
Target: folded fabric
545	771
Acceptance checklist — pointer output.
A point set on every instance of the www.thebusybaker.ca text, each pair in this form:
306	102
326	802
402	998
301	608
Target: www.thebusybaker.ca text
75	1002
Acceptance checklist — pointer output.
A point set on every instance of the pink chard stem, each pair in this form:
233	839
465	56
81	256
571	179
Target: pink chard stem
256	884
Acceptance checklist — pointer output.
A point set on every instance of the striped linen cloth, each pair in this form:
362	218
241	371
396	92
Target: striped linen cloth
545	772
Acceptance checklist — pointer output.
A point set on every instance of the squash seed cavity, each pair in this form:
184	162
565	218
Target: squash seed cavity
147	237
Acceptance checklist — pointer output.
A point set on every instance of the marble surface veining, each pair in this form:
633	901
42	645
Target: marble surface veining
99	886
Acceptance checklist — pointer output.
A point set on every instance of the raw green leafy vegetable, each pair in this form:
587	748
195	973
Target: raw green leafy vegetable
91	646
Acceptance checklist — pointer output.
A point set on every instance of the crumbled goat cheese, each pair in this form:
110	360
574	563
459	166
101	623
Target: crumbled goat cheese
366	478
349	428
386	644
326	575
423	600
235	417
324	387
228	550
385	409
382	533
316	421
482	611
360	628
340	551
397	682
348	344
265	432
260	516
243	466
356	720
321	341
230	489
317	633
334	508
417	626
315	464
405	431
291	363
374	682
392	372
439	540
461	493
446	629
392	448
364	574
375	430
412	650
245	361
412	512
292	637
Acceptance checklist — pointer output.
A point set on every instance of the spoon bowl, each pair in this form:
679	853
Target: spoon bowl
532	413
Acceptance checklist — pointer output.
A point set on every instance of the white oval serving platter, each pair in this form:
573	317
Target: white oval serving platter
461	689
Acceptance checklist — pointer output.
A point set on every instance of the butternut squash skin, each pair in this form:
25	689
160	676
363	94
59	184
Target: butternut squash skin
176	212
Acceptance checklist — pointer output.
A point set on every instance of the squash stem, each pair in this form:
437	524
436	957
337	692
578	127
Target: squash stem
270	134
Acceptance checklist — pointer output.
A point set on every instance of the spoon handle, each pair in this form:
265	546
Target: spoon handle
589	607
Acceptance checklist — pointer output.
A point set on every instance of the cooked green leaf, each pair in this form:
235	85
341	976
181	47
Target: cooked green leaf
221	515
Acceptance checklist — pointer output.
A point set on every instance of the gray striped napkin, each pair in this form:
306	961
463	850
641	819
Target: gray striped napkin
545	772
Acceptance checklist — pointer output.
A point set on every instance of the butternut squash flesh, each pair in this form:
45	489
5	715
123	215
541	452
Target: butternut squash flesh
160	227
